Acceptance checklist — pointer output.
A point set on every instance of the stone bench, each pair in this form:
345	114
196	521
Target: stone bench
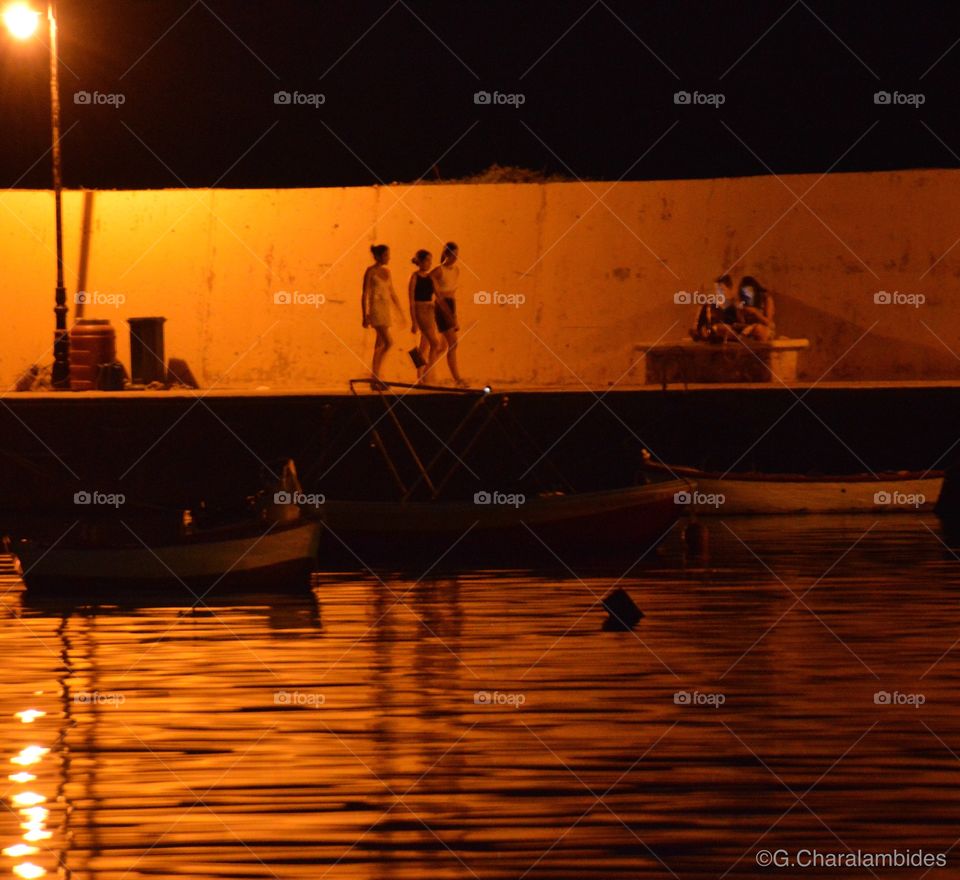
690	362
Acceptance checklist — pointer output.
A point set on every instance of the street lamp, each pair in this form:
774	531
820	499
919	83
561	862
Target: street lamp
22	21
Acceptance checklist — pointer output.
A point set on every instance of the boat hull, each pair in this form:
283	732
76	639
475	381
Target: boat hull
284	555
758	496
622	523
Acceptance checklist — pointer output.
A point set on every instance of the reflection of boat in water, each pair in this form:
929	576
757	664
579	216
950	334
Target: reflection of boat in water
267	544
444	507
758	493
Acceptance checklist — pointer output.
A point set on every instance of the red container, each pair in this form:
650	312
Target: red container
93	341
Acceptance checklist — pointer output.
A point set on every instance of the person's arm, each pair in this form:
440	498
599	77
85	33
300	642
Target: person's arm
413	314
765	315
365	296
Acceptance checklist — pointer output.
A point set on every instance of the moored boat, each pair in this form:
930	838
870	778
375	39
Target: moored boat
244	555
758	493
266	542
617	523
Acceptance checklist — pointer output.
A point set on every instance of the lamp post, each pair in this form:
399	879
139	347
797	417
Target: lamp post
22	22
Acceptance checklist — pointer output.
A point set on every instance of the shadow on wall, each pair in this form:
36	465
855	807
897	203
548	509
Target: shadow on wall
836	351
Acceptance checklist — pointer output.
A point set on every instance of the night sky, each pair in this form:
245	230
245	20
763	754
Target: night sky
398	80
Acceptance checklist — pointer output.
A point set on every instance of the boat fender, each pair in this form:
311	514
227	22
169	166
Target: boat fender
622	611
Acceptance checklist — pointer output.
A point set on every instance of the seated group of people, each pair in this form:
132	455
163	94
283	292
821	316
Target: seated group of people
747	315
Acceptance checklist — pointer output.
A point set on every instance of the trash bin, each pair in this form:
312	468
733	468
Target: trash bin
92	342
147	361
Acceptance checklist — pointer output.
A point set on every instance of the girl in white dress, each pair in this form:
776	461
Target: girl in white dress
378	294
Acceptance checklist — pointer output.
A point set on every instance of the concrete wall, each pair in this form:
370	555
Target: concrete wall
596	276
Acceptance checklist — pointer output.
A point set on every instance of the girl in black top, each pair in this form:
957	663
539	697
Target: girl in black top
423	312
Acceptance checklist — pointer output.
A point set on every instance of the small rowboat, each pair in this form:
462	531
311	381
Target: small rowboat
619	522
241	556
751	493
493	528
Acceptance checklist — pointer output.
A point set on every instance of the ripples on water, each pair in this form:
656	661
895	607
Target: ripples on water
341	736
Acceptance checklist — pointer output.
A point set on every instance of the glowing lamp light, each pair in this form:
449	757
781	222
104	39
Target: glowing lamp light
29	871
28	798
28	716
21	20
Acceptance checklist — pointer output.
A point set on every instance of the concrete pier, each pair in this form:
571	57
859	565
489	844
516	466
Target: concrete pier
177	447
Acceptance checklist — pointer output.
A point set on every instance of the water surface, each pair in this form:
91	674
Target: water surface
484	725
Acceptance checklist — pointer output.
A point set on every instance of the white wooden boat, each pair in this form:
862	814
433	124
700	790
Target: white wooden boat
750	493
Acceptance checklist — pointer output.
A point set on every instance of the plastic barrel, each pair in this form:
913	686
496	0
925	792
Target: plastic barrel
147	361
93	342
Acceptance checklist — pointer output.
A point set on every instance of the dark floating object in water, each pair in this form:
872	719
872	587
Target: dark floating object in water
696	539
623	612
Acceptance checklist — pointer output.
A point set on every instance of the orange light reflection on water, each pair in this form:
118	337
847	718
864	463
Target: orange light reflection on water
34	827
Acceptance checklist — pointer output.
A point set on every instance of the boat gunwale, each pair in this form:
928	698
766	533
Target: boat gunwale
684	471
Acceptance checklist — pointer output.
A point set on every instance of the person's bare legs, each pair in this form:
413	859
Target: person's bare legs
380	348
431	345
425	346
451	338
435	350
757	332
724	332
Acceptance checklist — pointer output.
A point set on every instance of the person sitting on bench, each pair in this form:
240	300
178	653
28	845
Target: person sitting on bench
715	320
754	311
